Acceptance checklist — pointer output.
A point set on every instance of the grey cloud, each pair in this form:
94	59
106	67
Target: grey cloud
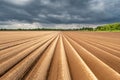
18	2
61	11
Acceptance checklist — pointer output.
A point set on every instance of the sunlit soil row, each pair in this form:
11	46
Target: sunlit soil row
55	55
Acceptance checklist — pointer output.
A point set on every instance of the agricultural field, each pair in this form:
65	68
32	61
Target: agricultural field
59	55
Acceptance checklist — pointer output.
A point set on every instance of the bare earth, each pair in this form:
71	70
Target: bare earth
55	55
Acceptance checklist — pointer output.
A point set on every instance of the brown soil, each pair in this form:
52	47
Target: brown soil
55	55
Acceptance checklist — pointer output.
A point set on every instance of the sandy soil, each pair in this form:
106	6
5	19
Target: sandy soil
55	55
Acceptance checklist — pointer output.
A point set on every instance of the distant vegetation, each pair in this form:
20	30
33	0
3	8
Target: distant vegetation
47	29
107	27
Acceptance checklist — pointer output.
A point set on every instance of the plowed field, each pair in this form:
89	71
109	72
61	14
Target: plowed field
59	55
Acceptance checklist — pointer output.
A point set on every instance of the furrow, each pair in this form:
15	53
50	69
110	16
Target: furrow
9	45
79	69
40	70
59	69
107	49
14	60
20	69
99	68
23	37
59	55
107	58
102	42
8	53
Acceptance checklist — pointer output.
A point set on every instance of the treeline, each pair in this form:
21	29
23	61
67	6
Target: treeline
107	27
47	29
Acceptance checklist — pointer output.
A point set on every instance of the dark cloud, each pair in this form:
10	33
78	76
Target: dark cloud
60	11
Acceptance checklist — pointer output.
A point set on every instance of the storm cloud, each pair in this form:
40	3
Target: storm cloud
61	11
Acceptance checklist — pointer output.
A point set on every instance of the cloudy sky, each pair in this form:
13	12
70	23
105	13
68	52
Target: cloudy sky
60	11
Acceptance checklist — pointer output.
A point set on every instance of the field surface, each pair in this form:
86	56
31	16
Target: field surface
55	55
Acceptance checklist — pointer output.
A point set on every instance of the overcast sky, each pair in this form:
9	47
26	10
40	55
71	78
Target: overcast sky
60	11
